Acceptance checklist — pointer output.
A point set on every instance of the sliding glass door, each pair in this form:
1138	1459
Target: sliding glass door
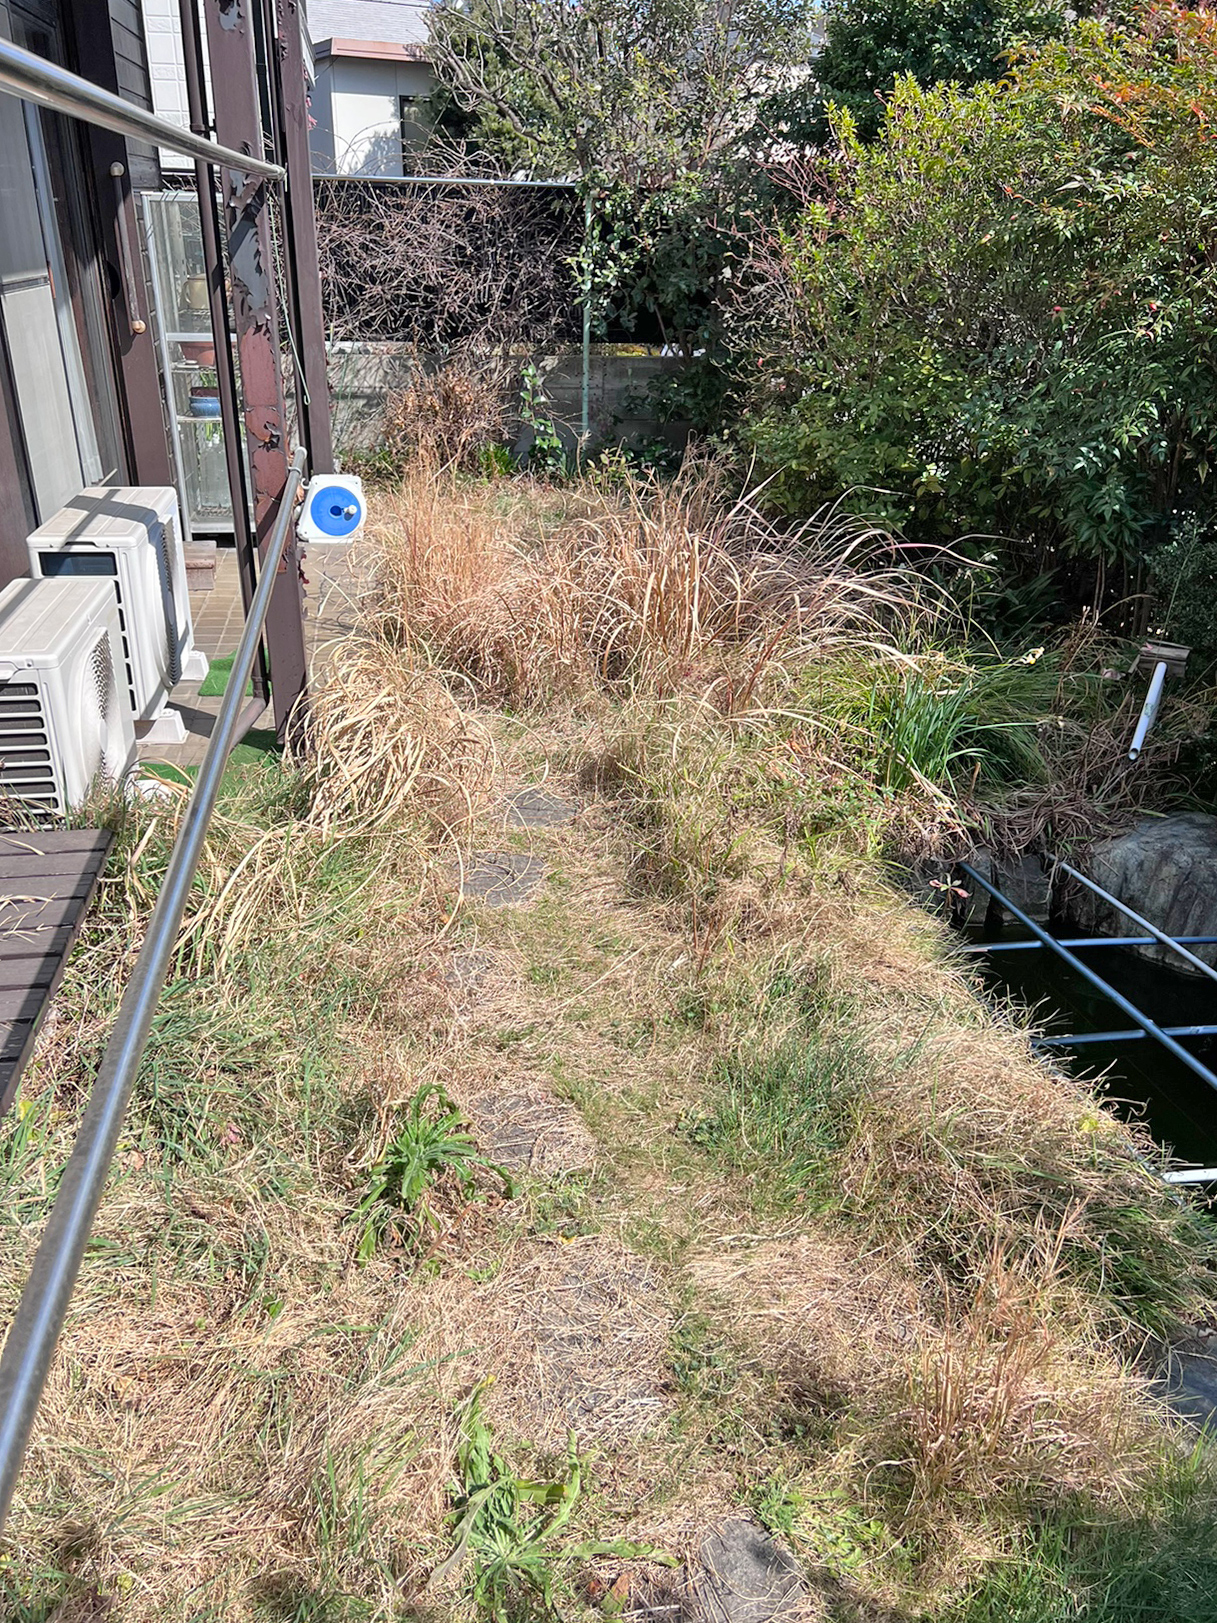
52	318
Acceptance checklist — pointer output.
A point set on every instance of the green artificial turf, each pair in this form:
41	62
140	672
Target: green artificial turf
216	680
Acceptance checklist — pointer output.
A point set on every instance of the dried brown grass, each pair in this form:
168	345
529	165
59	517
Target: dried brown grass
993	1403
387	744
448	417
642	586
1002	1404
243	1424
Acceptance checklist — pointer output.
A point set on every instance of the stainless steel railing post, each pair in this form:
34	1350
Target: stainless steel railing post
33	78
31	1341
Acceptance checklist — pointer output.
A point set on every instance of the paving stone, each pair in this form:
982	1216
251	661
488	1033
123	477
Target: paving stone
740	1575
527	1129
746	1576
503	878
469	971
536	808
597	1326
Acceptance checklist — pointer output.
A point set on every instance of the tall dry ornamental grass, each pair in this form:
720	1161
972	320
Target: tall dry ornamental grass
634	586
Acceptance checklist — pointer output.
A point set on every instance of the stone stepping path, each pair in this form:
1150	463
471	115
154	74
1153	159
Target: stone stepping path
511	878
526	1129
739	1575
530	807
503	878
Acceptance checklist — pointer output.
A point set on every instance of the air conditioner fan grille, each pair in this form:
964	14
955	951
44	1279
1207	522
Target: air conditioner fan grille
27	770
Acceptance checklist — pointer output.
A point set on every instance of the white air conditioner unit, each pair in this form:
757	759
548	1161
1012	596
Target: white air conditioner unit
65	716
132	536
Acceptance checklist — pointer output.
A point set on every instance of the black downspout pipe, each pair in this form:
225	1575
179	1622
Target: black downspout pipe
226	373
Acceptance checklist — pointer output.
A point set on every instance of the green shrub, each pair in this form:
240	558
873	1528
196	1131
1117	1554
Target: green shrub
1185	574
1002	314
868	46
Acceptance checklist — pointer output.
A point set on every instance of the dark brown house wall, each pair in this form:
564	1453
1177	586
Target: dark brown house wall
110	50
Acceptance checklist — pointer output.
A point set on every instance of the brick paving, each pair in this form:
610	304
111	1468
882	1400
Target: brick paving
330	596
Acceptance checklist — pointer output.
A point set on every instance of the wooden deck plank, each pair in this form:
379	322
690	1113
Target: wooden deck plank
43	911
40	842
22	1002
54	865
19	952
47	879
14	1036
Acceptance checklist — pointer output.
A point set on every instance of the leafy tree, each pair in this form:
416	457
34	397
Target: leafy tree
1003	312
869	44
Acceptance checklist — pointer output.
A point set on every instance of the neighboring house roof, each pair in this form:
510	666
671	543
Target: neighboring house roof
379	22
381	50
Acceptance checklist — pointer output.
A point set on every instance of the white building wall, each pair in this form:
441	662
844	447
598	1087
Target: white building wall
167	70
357	105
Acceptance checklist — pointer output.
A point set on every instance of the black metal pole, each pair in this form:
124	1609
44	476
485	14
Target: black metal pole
1086	941
226	372
1078	1038
34	78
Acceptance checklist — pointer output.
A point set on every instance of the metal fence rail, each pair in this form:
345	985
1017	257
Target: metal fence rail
31	1341
1087	941
1170	942
1145	1025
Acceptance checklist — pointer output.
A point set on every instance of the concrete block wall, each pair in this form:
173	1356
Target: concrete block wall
363	375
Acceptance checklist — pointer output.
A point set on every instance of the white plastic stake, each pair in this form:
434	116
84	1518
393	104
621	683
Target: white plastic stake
1149	709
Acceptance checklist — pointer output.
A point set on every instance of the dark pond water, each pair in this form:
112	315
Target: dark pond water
1141	1078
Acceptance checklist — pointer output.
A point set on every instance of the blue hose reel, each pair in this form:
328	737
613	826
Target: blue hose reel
333	509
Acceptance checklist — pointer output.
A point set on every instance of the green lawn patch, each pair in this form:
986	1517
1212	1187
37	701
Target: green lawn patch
216	681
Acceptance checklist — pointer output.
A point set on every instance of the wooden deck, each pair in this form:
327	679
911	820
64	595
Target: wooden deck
47	879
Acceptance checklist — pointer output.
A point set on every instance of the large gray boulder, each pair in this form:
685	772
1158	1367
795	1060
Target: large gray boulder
1167	870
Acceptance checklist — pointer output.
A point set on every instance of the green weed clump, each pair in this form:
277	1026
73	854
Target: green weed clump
1155	1565
431	1162
506	1529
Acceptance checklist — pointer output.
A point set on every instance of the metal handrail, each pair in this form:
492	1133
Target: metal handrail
454	180
1170	942
1084	970
23	73
1079	1039
31	1341
1086	941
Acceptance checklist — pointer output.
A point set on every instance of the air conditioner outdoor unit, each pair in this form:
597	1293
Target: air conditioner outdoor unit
132	536
65	716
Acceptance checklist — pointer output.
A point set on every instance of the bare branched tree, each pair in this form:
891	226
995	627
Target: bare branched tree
449	267
641	93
